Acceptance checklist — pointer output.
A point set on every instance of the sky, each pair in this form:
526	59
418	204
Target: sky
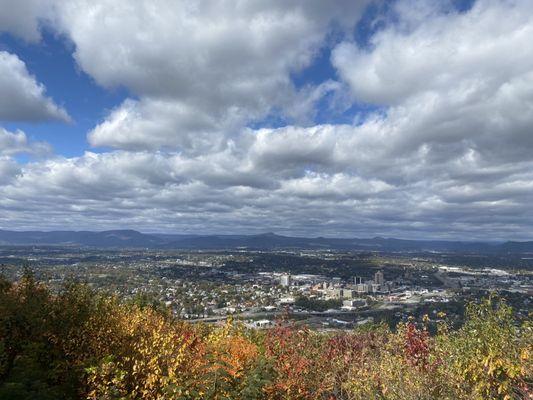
338	118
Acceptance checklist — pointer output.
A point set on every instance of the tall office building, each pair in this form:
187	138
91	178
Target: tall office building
379	279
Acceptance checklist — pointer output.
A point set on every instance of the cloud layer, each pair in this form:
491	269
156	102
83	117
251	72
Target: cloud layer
447	151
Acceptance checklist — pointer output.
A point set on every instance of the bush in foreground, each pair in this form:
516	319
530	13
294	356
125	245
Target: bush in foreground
81	344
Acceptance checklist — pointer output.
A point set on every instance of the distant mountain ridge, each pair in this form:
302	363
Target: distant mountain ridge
113	238
135	239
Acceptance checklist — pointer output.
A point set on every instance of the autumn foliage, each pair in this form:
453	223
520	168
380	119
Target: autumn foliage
83	345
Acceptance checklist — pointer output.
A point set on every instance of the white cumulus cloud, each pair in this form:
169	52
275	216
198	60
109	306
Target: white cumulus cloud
22	97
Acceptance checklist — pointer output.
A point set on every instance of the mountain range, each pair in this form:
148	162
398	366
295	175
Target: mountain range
266	241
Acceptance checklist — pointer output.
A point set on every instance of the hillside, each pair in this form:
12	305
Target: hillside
84	345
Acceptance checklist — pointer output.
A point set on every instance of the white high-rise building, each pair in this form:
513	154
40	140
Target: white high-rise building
285	280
